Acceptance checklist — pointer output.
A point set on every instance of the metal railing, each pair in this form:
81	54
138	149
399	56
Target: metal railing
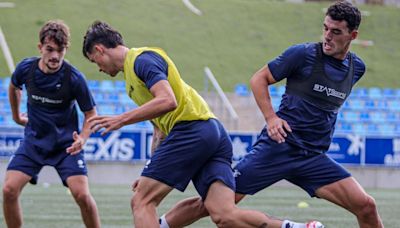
218	101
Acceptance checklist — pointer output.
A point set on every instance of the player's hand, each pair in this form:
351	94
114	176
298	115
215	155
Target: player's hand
77	145
22	119
277	128
108	123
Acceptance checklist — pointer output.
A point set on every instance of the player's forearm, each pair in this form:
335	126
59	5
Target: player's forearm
150	110
85	133
14	96
259	86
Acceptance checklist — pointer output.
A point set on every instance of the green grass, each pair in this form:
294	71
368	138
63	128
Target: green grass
234	38
54	207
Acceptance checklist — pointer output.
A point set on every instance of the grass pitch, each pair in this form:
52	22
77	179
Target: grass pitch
52	206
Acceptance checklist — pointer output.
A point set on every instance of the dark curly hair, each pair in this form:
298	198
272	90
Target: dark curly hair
343	10
101	33
57	31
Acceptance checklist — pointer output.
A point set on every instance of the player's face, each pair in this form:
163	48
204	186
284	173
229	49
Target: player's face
52	56
337	38
103	60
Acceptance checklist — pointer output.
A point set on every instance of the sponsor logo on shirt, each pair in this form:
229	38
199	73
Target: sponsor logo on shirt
45	99
329	91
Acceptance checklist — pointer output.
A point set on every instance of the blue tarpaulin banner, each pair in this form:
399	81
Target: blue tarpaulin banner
131	146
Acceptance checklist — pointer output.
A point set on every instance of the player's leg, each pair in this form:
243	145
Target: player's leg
220	202
321	176
184	213
148	195
73	172
21	170
13	185
187	211
79	188
349	194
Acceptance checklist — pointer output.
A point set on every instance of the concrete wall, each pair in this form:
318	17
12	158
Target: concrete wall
127	173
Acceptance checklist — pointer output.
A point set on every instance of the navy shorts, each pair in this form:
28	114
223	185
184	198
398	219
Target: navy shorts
30	159
200	151
269	162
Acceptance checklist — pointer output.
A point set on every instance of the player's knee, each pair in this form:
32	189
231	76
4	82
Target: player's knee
368	207
223	219
10	192
137	202
221	215
82	198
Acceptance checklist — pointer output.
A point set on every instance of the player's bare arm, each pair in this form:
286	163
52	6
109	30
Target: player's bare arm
163	102
259	83
14	95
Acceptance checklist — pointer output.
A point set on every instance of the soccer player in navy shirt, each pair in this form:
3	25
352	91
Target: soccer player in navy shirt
51	135
294	143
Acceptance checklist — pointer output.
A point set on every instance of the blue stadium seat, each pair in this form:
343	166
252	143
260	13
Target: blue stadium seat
397	129
106	109
351	116
387	129
343	127
5	83
392	116
389	93
372	129
241	90
281	90
364	116
359	128
273	91
276	101
107	85
355	103
93	85
394	105
119	85
359	92
377	116
123	98
374	93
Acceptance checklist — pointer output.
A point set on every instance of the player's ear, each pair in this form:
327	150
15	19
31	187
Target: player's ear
354	34
99	48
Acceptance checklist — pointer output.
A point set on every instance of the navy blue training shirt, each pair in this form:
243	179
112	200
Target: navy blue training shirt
150	67
312	127
50	128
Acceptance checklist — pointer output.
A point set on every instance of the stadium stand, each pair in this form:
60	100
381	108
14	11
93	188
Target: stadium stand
368	111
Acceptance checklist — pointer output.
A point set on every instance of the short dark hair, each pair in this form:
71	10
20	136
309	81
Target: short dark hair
343	10
57	31
101	33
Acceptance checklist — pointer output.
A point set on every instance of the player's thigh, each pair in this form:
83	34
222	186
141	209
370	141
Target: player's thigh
220	199
313	171
78	184
15	180
347	193
26	168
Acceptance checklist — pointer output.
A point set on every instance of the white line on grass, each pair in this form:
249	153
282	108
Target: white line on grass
7	5
6	52
191	7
